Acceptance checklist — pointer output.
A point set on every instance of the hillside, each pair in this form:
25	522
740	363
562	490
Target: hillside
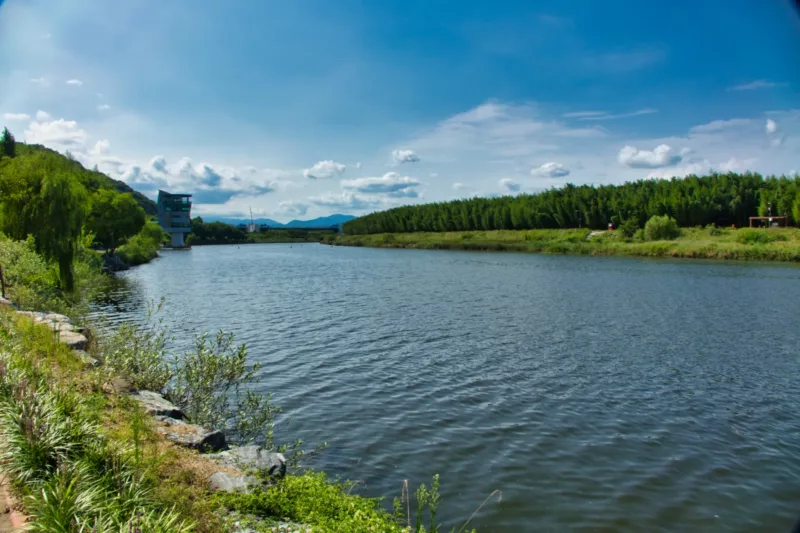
92	179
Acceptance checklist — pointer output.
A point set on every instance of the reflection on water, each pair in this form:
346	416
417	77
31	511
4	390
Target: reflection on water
599	394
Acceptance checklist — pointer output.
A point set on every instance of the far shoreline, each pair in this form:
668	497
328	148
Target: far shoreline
727	244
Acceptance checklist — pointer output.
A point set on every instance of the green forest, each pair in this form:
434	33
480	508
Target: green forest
718	199
66	210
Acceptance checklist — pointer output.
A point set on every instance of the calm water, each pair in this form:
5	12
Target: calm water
599	394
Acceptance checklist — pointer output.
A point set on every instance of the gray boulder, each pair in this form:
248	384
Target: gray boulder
6	303
156	405
191	436
253	458
229	483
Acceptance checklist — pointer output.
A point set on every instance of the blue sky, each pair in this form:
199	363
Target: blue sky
306	108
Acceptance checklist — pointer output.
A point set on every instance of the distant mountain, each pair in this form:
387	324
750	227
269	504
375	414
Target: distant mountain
320	222
237	221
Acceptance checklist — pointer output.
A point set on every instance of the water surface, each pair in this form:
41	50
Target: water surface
599	394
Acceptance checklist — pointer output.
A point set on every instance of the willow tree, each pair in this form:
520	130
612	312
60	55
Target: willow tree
41	197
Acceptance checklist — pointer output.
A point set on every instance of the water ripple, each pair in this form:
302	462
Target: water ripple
599	394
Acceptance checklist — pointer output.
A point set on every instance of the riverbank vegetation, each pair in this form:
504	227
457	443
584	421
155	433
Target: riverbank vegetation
711	242
204	233
719	199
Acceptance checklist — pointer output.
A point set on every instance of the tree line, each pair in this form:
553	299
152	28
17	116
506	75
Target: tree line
720	199
63	206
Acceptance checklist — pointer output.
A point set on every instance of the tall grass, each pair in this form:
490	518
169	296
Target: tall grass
774	244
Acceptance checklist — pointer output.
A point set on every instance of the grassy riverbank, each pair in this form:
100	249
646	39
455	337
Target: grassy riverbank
775	244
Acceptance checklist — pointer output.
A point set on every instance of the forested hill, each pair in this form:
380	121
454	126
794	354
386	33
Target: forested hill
721	199
92	180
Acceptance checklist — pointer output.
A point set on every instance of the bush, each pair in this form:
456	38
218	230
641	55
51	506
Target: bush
629	228
661	228
142	247
756	236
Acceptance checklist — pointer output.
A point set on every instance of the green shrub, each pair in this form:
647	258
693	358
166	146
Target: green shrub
142	247
758	236
629	228
661	228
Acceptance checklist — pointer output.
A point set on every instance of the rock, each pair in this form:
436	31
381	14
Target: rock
88	360
157	405
74	340
229	483
68	334
4	303
253	458
190	436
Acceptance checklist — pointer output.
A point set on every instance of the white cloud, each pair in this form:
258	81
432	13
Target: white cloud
16	116
720	125
100	148
74	82
681	171
59	133
357	165
771	126
496	131
757	84
159	164
43	116
662	156
602	115
324	170
39	81
391	184
294	208
459	186
434	174
349	201
737	165
103	107
509	184
404	156
550	170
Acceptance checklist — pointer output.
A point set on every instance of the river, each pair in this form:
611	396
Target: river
598	394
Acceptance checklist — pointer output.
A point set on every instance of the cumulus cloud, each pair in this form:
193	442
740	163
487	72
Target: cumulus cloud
59	133
550	170
771	126
294	208
324	170
404	156
74	82
662	156
348	201
103	107
509	184
43	116
757	84
459	186
100	148
159	164
16	116
39	81
391	184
